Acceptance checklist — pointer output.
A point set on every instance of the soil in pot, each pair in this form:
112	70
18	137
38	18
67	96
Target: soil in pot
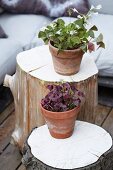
66	62
60	124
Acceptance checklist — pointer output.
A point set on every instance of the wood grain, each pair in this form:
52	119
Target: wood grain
21	167
105	81
10	158
106	96
108	124
5	131
101	114
5	97
6	112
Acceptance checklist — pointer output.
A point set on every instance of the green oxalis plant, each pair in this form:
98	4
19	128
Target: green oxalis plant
73	35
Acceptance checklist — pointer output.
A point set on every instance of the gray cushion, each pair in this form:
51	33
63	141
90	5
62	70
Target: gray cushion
25	7
22	28
36	42
104	57
8	52
61	7
56	8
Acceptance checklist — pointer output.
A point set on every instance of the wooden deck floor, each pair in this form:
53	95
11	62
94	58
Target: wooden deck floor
10	157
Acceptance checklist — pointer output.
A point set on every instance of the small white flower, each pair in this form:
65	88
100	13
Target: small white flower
51	24
58	32
92	7
75	10
43	29
77	26
96	13
79	16
71	32
98	6
89	15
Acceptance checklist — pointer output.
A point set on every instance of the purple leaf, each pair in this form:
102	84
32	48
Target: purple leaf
50	87
62	97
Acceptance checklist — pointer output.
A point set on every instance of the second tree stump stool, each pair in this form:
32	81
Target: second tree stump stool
89	148
34	71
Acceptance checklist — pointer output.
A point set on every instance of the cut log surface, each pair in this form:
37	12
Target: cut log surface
89	148
34	71
38	63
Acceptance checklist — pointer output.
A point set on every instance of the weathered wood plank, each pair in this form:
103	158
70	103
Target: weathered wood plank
5	97
5	143
21	167
10	159
5	131
105	81
105	96
108	124
6	112
101	113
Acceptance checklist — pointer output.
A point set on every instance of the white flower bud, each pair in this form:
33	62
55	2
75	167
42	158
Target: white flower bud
99	6
96	13
92	7
75	10
79	16
43	29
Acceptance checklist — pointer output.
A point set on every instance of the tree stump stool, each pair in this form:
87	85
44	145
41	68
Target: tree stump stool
28	85
89	148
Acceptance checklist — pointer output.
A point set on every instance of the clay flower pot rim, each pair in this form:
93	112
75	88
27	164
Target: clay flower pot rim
73	50
77	107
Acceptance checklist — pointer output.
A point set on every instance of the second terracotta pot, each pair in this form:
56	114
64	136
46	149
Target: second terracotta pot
60	124
66	62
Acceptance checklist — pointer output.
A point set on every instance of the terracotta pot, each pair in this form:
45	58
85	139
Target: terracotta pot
66	62
60	124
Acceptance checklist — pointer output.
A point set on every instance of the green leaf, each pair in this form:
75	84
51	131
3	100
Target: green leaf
49	27
61	38
94	28
99	38
101	44
91	34
45	40
60	22
41	34
79	22
84	47
75	40
72	35
82	33
72	26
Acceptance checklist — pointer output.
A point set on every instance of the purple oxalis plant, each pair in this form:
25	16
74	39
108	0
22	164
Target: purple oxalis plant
62	97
